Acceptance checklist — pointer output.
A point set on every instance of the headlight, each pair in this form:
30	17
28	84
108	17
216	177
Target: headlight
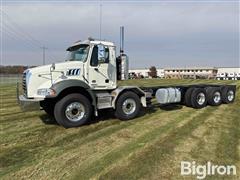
28	75
46	92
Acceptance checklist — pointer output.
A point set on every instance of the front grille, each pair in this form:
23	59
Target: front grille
24	84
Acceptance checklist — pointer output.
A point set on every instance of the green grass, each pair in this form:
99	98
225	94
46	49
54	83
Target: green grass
11	79
148	147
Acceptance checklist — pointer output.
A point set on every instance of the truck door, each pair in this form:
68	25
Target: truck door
98	73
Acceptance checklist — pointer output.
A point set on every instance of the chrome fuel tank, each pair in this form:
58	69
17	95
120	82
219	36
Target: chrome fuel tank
168	95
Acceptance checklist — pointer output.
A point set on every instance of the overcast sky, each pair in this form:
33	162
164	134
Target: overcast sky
164	34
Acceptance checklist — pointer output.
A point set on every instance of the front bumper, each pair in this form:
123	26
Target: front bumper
27	104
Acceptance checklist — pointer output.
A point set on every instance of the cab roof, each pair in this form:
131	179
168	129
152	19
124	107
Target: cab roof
92	41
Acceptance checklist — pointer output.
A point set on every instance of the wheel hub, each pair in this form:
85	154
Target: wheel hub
75	111
129	106
230	95
201	98
217	97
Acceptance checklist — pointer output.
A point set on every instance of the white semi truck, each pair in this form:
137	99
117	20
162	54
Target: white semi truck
228	76
75	90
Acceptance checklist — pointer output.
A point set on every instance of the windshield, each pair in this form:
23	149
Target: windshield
78	53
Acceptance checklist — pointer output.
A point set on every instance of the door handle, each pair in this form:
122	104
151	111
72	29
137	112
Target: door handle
96	69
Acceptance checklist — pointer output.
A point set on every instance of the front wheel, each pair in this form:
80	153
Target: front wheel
73	110
48	107
128	106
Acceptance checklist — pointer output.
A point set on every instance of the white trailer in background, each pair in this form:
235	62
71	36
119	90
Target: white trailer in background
228	73
231	76
221	76
238	76
228	76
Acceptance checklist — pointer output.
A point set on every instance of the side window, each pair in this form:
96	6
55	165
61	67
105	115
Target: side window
94	57
100	55
106	55
103	54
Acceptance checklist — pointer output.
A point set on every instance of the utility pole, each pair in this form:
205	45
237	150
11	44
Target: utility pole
100	21
43	48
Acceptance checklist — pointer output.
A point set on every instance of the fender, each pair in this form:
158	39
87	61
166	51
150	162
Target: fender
62	85
117	92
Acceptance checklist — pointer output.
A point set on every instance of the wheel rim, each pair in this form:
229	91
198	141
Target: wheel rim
201	98
129	106
75	111
217	97
230	95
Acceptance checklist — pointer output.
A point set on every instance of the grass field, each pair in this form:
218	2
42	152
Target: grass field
148	147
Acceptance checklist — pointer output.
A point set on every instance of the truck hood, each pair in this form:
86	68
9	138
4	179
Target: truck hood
63	66
41	77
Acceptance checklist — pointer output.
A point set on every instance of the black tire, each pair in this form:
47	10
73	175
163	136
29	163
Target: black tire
120	113
48	107
214	96
197	95
77	101
226	90
187	97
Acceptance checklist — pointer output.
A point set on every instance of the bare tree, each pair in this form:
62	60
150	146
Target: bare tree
152	72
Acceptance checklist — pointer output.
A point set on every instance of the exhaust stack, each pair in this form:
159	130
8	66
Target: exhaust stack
121	40
123	57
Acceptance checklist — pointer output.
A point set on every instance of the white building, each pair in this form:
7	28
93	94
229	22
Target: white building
191	72
144	72
226	73
140	72
160	72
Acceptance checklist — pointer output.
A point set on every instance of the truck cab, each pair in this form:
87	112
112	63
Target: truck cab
92	62
98	59
89	75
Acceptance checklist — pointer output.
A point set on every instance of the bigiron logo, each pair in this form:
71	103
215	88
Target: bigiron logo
209	169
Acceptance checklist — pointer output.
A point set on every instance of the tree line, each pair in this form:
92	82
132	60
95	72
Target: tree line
13	69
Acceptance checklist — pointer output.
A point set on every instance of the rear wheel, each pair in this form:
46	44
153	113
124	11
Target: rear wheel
228	94
73	110
187	97
198	98
128	106
214	96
